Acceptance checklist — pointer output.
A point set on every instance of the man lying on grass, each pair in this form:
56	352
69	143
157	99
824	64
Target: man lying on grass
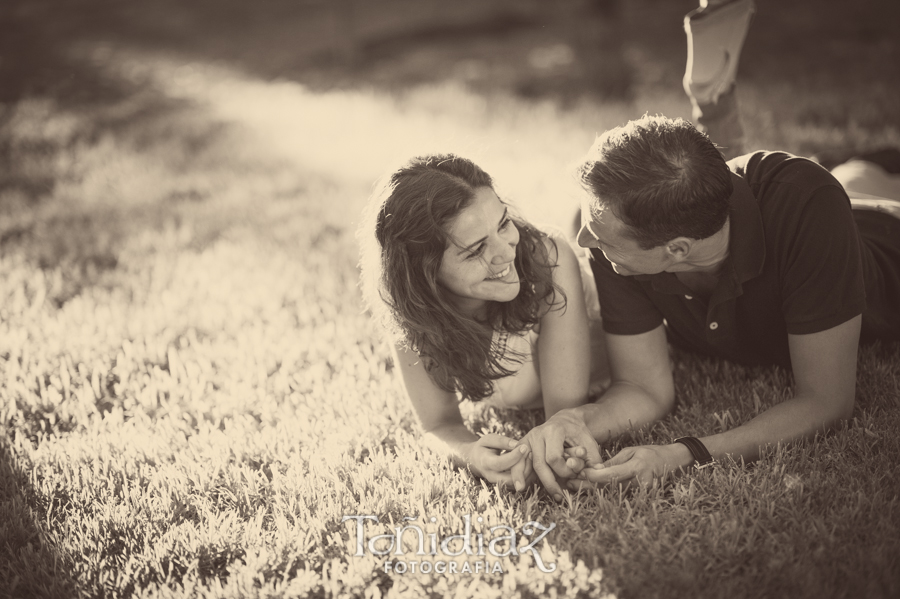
761	260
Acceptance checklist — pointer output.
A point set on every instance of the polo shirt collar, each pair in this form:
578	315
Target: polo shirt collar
746	243
747	237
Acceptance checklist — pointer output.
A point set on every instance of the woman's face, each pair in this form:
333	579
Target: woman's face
479	267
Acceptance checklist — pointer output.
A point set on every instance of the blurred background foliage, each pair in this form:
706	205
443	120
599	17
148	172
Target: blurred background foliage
570	53
561	49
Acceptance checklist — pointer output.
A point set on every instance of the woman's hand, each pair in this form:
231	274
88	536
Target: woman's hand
642	465
485	458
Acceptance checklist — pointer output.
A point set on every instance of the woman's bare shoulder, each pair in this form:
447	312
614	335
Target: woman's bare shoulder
556	243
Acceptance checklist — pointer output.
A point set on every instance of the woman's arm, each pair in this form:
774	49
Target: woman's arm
438	413
564	349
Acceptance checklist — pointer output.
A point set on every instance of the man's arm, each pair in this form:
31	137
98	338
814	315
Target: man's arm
642	389
824	366
642	392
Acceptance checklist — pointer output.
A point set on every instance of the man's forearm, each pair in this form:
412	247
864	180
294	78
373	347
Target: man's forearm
794	419
622	408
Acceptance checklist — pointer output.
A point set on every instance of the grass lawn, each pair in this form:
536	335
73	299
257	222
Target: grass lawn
192	398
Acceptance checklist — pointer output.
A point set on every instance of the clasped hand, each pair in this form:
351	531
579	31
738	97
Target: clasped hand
562	452
642	465
557	451
487	459
543	453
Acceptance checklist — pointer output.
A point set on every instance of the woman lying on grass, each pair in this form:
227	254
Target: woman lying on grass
472	296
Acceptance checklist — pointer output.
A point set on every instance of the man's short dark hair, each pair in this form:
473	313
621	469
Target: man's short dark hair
661	177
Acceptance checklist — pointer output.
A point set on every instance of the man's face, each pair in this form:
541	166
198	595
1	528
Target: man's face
604	231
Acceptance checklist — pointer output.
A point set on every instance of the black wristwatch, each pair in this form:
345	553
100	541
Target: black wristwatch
702	459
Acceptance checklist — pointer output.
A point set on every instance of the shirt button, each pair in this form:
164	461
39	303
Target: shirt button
689	297
713	326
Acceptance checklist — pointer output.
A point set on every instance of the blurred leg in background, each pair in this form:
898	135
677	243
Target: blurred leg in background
872	180
715	35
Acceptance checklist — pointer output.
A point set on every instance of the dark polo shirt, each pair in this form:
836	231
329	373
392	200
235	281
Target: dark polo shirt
797	264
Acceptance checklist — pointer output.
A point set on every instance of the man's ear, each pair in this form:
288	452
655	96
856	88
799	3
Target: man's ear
680	248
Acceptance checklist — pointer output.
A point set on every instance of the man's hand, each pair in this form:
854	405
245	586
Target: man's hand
642	465
548	445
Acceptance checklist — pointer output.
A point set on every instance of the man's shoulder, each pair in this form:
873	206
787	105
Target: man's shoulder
783	182
761	167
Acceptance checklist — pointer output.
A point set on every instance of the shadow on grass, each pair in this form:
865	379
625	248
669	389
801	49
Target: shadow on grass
29	564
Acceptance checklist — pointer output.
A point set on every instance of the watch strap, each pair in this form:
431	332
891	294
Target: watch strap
702	458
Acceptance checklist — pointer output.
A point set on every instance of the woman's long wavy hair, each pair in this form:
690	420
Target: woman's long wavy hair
402	239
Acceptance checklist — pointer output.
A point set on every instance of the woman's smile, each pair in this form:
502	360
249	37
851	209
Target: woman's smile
479	264
500	274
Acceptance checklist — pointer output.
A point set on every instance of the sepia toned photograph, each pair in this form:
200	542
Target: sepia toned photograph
423	299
